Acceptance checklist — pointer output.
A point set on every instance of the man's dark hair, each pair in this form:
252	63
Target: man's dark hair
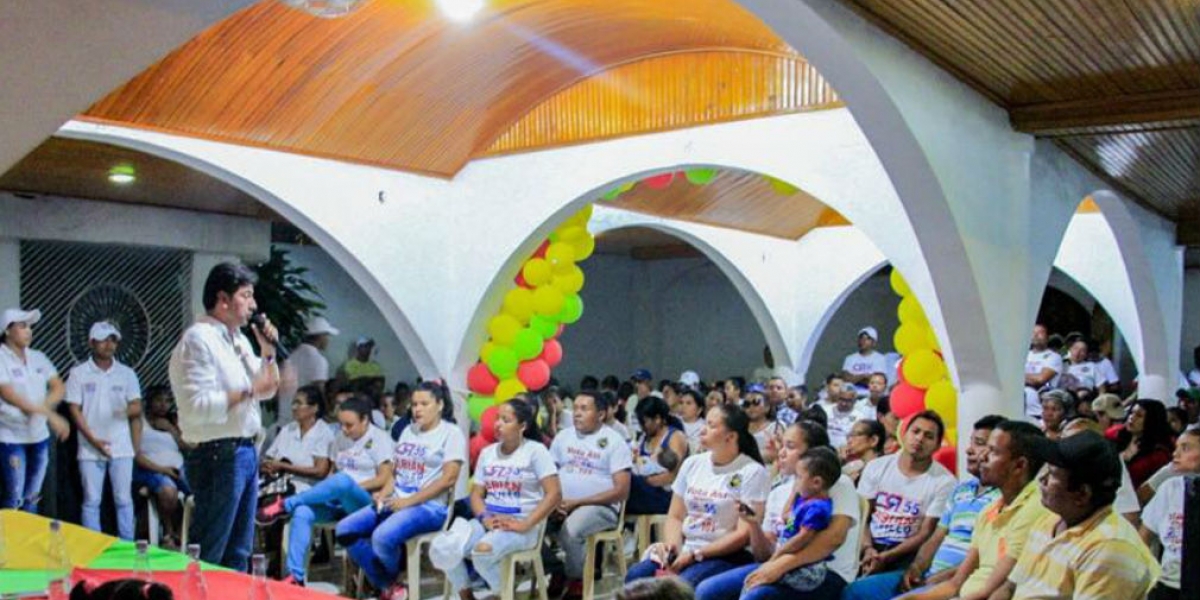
815	435
815	414
989	422
931	416
1023	438
226	277
822	461
360	405
589	382
600	398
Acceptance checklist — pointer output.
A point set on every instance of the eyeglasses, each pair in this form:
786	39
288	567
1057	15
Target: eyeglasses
751	402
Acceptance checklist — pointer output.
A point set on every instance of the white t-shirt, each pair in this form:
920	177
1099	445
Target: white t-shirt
616	426
1159	477
692	431
865	364
420	456
763	437
840	424
309	364
846	503
1086	373
301	450
513	482
901	501
159	447
1193	378
866	409
1164	516
29	378
104	397
360	458
1037	361
587	463
773	514
1108	373
712	493
1126	501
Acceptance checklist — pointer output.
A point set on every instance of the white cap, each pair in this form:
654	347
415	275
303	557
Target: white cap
870	331
689	378
319	326
16	315
102	330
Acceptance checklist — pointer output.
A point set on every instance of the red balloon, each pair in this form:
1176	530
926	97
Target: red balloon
535	374
478	443
907	400
481	381
948	456
541	250
487	424
659	182
900	371
520	281
552	353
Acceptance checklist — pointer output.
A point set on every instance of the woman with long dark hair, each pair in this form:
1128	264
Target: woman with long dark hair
691	414
1151	443
650	490
704	535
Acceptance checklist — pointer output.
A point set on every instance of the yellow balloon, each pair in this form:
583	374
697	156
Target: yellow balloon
931	338
899	285
503	329
518	302
486	350
571	233
951	435
560	254
922	368
942	398
508	389
584	247
537	271
910	312
910	338
570	282
585	214
547	300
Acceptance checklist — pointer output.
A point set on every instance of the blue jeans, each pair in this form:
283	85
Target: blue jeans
728	586
375	540
694	574
487	564
224	478
332	497
880	586
646	499
120	471
156	481
24	470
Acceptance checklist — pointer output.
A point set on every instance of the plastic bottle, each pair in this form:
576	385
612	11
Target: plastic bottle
194	586
258	573
58	565
141	562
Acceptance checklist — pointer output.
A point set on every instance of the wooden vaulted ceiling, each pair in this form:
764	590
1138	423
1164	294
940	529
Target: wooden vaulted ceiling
396	84
1116	83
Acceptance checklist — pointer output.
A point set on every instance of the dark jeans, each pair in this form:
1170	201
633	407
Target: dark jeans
224	478
646	499
695	574
728	586
22	471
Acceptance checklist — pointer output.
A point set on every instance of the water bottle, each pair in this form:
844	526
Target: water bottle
258	574
58	565
194	587
141	562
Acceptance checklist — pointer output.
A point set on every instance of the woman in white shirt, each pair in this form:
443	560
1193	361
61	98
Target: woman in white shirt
301	449
363	458
763	425
1162	519
416	495
704	535
515	488
158	465
691	412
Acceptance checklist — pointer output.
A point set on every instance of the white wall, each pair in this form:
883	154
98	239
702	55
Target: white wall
353	313
872	303
1191	317
10	267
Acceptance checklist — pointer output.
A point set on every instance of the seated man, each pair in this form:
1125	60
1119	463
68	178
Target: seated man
941	554
907	493
1083	549
594	465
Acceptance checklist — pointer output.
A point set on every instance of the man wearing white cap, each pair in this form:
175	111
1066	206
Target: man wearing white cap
105	398
30	388
306	365
858	367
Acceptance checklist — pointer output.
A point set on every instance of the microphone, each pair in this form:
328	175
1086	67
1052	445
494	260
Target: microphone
259	320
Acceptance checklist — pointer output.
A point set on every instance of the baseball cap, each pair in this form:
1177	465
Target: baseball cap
870	331
689	378
1087	455
1192	394
1110	405
756	388
641	375
102	330
16	315
364	341
318	326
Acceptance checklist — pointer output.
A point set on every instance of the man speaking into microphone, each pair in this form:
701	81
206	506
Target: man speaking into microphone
218	382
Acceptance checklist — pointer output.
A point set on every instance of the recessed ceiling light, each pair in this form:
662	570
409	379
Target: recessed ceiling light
460	10
122	175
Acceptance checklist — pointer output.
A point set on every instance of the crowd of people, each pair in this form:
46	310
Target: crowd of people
768	491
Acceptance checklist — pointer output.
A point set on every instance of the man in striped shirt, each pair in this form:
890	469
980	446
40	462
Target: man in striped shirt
1083	550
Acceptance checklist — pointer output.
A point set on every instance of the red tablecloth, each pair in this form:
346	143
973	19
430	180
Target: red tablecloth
222	585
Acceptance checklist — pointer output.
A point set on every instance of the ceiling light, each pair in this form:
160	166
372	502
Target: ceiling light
326	9
460	10
122	175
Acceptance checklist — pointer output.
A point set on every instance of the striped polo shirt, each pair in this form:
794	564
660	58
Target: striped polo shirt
967	500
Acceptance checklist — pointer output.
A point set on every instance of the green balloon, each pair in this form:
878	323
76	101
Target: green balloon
572	309
528	344
700	176
545	326
476	404
502	362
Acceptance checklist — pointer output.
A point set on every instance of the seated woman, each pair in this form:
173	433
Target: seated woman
691	412
1150	445
158	465
515	488
650	488
837	542
704	535
363	458
763	425
415	497
1163	518
864	444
